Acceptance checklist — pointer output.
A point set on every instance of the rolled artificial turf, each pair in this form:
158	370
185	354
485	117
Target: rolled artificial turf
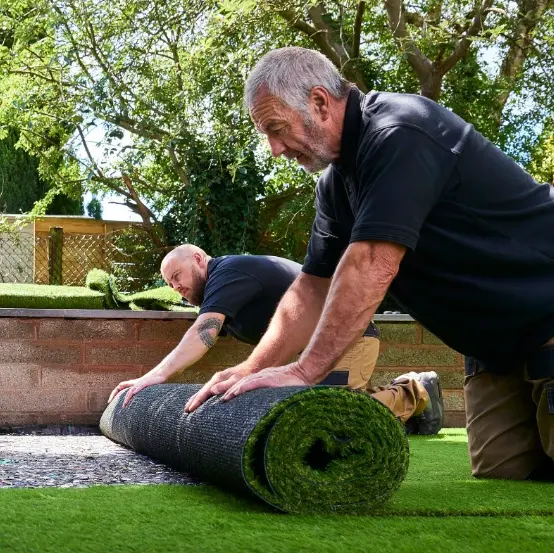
301	450
163	298
101	281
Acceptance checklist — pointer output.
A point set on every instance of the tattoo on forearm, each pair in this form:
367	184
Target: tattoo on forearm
205	329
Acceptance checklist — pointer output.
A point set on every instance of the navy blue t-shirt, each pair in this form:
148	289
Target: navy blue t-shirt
479	231
246	289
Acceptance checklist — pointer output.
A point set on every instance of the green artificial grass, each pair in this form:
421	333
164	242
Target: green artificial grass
439	483
100	292
101	281
438	508
164	298
306	456
39	296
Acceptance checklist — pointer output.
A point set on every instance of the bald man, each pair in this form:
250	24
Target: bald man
238	295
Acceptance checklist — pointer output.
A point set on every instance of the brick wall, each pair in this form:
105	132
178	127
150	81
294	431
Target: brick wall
61	370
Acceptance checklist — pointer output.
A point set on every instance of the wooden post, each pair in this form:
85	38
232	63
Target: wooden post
55	255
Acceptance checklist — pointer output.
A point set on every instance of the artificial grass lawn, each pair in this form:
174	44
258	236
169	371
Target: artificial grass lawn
40	296
424	515
100	292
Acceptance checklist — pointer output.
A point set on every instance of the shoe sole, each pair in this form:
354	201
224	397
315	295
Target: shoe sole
437	404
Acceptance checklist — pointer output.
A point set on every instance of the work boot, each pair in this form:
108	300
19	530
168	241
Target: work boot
430	421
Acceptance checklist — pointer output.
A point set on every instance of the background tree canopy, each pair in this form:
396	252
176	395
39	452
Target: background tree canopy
143	99
21	185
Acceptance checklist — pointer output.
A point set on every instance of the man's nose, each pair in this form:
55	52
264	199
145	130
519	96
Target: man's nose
276	146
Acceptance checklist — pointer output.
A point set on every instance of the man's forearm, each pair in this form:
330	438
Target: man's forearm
293	324
358	287
193	346
178	360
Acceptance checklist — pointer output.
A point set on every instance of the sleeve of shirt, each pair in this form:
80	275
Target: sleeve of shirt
228	291
402	173
329	238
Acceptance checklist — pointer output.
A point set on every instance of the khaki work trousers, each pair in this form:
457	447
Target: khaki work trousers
510	425
404	399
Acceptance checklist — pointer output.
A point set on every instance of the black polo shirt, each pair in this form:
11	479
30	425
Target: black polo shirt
246	289
479	231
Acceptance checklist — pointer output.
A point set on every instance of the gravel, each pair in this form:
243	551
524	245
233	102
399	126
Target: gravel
56	458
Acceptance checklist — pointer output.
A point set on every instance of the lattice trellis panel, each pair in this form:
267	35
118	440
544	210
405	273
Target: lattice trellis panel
28	258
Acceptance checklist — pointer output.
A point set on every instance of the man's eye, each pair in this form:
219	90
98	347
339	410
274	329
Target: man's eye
276	129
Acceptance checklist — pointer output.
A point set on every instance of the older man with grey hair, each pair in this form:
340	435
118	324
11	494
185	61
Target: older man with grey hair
415	201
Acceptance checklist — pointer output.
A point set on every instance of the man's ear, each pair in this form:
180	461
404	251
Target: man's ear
320	102
198	259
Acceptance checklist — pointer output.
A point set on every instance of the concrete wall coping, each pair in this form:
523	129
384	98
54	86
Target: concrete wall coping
128	314
93	314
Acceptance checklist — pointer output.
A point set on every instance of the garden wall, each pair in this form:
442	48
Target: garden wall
59	366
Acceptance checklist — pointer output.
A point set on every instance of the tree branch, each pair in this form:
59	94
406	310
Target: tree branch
145	213
358	29
463	44
146	130
89	155
316	14
183	177
529	14
419	62
324	37
415	19
39	76
316	36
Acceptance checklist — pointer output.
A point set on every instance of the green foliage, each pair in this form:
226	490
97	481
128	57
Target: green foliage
136	264
542	157
94	208
65	204
20	184
219	210
156	87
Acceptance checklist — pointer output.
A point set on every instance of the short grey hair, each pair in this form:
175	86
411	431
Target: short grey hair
290	74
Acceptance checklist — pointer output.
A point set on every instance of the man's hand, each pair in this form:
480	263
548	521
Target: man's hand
218	384
135	386
272	377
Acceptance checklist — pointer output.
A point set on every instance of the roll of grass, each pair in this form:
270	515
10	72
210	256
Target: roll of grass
101	281
301	450
39	296
163	298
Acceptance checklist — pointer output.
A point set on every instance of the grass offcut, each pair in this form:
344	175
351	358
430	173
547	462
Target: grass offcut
439	508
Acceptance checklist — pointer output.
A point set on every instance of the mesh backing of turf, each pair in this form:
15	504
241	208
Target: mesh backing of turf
303	450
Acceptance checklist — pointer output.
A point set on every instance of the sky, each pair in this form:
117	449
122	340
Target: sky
110	211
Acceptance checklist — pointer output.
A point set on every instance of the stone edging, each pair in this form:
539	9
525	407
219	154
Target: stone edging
128	314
